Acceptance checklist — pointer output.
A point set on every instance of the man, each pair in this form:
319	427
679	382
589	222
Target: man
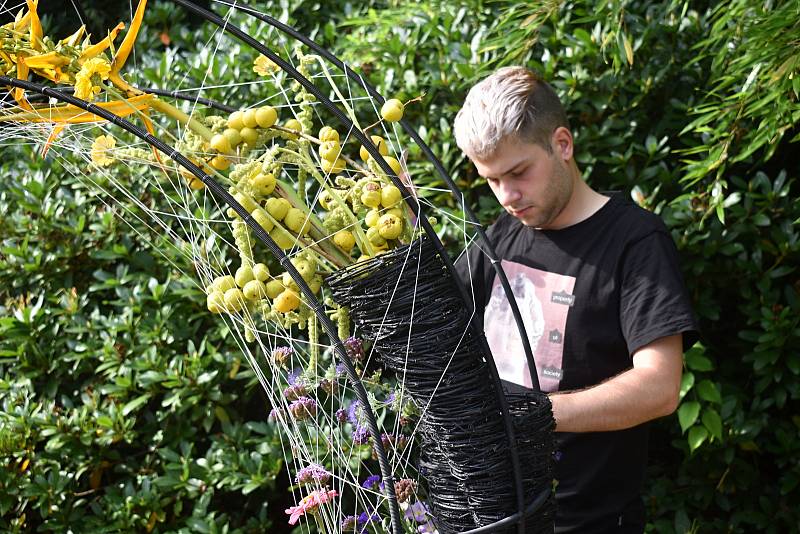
615	314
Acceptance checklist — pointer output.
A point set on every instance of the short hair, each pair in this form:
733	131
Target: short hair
514	102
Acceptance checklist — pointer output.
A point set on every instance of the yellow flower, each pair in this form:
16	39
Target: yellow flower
264	66
100	150
92	72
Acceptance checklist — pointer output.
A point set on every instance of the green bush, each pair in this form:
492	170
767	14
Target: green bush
125	407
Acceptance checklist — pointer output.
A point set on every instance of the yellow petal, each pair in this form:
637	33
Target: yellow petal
7	59
122	85
21	21
49	60
19	93
36	25
130	38
70	114
75	38
57	129
95	49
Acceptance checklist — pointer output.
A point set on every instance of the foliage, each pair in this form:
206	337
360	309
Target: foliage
123	407
690	106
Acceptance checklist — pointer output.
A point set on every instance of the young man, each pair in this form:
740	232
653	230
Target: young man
599	288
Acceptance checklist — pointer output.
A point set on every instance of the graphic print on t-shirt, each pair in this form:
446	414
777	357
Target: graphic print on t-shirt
544	300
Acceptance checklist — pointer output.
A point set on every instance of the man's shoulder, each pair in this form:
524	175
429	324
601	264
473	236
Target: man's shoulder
621	219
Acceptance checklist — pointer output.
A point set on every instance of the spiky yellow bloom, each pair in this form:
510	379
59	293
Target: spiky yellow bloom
92	73
101	150
264	66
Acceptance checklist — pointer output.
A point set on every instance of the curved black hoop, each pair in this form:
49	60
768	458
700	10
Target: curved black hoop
440	170
518	517
414	205
219	191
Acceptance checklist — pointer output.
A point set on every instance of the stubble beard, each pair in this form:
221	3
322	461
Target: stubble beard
556	197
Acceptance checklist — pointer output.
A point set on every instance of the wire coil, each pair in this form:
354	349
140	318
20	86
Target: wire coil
406	302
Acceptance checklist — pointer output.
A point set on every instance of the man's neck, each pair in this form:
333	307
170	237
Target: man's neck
583	203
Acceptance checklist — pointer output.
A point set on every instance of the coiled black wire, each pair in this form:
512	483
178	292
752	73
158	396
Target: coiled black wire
406	302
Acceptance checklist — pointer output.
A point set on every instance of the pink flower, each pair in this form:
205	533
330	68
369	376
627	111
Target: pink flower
310	504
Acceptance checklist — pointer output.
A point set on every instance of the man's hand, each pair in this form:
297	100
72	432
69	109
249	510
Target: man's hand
647	391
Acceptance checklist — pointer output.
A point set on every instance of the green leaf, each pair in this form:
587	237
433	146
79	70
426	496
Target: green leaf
687	381
759	219
713	422
697	362
708	391
687	414
697	435
135	403
105	421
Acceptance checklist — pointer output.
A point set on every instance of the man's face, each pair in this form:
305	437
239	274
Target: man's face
531	183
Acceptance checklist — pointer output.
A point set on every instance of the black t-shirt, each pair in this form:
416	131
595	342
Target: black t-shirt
591	295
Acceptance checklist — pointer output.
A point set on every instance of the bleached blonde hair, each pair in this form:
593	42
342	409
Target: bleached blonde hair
514	102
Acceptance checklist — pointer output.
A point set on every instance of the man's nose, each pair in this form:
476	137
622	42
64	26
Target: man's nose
506	194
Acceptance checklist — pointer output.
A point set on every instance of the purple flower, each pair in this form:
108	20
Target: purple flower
303	408
355	348
371	482
364	519
427	528
313	473
390	399
341	415
360	435
417	511
355	413
341	369
275	415
293	376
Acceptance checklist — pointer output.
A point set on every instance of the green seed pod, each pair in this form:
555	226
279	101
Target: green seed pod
296	221
254	290
234	299
215	301
243	275
374	237
390	196
224	283
389	226
264	184
282	238
261	217
261	272
246	201
278	207
274	288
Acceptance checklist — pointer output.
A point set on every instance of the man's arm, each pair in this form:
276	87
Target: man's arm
647	391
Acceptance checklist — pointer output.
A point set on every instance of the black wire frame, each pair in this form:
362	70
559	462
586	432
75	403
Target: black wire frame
517	518
412	203
440	170
457	194
219	191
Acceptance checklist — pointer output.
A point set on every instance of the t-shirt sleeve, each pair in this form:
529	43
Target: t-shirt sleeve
654	301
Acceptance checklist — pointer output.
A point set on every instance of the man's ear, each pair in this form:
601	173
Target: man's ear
562	143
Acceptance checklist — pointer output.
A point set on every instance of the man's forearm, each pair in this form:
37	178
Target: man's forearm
647	391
